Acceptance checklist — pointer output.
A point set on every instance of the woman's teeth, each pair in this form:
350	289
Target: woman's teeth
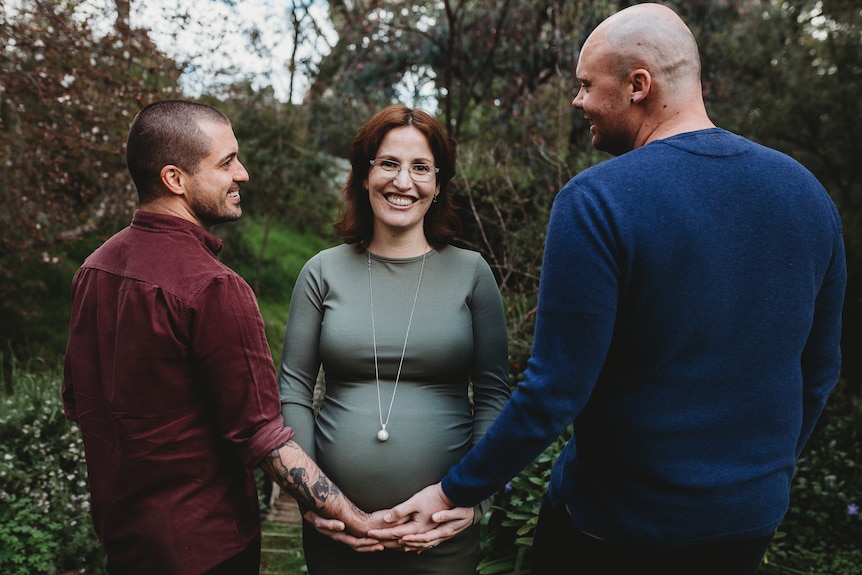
399	200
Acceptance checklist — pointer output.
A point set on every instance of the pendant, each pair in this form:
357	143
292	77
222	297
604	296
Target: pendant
382	435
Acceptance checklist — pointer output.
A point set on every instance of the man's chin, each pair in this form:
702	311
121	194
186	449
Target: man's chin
232	216
610	148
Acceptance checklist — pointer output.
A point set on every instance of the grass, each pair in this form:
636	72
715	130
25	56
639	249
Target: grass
281	552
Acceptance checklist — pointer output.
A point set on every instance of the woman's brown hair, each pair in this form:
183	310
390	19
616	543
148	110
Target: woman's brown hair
356	224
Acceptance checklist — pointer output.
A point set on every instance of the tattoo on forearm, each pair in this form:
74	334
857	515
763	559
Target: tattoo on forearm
323	489
297	482
298	477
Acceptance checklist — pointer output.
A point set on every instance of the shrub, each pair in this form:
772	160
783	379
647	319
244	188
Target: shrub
44	503
27	538
822	529
45	524
507	534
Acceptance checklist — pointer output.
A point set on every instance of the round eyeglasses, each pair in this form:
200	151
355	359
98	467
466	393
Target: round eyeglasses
418	172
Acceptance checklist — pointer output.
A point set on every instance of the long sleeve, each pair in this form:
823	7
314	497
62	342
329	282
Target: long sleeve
489	376
300	360
821	358
688	326
439	408
239	375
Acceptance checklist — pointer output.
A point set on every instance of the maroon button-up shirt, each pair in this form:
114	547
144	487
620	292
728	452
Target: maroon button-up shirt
170	378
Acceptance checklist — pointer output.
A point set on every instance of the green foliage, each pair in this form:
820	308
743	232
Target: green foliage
820	558
785	74
508	530
45	525
464	58
822	529
27	538
291	182
282	550
38	325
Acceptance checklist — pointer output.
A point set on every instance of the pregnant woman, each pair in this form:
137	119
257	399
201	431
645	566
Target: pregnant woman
411	335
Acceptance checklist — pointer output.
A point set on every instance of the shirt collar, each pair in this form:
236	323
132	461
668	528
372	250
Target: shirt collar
164	222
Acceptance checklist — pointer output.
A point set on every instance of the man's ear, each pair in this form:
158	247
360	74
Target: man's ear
641	82
173	179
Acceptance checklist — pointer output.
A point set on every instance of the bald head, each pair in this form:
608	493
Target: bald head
654	37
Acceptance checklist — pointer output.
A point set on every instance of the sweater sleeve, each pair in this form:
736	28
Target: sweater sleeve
574	324
821	357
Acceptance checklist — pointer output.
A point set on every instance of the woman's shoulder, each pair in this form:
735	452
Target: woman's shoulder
467	258
339	251
460	253
332	259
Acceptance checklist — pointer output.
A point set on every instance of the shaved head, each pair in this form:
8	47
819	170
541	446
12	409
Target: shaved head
654	37
640	79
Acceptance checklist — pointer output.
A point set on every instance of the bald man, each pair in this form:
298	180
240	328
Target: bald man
688	328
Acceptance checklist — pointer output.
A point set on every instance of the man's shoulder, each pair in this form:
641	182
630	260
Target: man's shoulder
112	250
176	262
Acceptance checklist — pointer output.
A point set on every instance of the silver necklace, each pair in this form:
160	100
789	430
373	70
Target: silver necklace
383	435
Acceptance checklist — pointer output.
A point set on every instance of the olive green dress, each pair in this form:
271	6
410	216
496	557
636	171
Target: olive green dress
453	383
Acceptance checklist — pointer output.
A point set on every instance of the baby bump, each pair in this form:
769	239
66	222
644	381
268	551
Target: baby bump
429	430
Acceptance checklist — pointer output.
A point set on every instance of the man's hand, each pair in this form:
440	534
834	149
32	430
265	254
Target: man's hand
301	478
416	516
334	529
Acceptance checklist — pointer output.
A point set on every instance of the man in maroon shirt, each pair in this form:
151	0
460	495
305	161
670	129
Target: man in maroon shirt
168	373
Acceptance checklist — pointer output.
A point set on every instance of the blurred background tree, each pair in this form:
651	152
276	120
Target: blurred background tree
67	95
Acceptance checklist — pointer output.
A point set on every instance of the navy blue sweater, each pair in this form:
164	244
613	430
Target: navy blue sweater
689	322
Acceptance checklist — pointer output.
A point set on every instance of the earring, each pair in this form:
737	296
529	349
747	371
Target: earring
434	200
631	100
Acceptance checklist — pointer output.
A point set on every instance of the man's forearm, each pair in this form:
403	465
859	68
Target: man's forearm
295	472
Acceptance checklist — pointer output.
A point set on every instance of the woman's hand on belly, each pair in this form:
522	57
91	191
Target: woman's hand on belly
450	523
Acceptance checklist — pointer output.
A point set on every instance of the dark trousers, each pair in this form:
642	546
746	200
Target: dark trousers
245	562
560	548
